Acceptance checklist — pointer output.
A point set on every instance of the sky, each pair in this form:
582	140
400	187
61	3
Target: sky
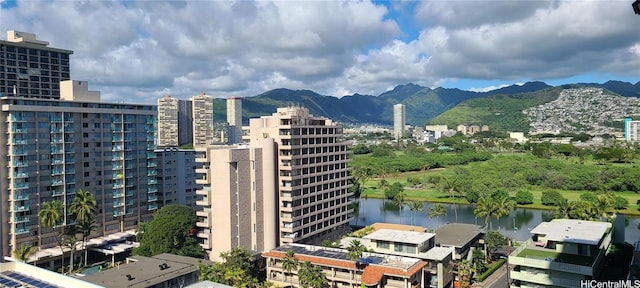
139	51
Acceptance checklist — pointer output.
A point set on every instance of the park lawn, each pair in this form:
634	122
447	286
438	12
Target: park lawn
430	193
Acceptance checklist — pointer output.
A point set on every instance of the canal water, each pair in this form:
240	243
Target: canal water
515	225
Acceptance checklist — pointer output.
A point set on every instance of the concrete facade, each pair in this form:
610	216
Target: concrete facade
30	68
176	176
234	120
313	177
561	253
398	120
202	120
631	130
54	147
175	122
237	204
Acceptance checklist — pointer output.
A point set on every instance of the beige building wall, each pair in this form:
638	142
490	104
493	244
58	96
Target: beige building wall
313	178
202	120
72	90
168	122
237	203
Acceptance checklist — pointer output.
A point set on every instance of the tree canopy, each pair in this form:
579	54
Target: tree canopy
170	232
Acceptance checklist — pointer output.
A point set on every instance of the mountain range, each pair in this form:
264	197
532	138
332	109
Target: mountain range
423	104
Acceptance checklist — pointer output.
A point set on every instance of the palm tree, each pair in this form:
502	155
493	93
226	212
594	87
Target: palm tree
83	208
86	227
356	249
415	207
484	208
437	211
23	253
290	263
563	208
355	207
312	276
51	215
399	201
70	239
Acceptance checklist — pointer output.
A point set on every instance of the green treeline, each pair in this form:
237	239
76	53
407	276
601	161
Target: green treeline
382	162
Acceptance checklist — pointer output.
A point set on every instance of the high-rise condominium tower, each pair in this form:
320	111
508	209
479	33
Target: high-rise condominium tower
237	205
398	120
234	119
52	148
202	120
175	122
29	68
313	178
177	176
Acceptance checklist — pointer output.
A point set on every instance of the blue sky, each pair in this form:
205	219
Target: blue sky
142	50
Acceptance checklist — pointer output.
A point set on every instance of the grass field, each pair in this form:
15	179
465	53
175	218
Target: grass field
430	193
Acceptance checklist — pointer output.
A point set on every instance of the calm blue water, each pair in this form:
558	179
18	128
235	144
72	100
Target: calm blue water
515	225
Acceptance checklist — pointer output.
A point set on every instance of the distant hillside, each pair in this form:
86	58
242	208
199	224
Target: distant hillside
501	110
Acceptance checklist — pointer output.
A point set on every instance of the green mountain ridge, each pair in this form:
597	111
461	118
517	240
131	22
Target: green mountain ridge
501	109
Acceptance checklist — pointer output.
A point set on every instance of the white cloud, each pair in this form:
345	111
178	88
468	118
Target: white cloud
142	50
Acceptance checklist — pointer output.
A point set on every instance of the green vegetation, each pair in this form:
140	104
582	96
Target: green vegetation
533	182
500	112
170	231
559	257
491	268
239	269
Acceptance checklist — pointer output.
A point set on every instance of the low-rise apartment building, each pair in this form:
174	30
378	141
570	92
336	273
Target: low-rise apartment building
561	253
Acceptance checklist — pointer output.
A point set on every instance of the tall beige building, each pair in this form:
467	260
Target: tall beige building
312	174
168	122
237	205
398	120
202	120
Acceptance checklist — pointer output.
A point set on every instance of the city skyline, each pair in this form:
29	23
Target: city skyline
184	48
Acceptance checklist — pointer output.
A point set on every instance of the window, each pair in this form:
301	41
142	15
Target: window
383	244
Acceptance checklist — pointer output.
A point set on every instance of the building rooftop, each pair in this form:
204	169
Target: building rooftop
400	227
411	237
573	231
141	271
18	274
457	234
437	253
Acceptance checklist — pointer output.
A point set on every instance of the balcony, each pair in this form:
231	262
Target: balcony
20	219
17	208
57	172
18	152
20	164
19	130
152	181
152	190
118	213
57	192
201	181
20	185
118	186
152	207
56	161
543	277
152	198
116	167
18	231
116	139
152	164
19	141
18	118
20	175
118	204
117	194
20	196
153	172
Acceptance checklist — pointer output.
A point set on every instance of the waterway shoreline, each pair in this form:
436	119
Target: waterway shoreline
626	212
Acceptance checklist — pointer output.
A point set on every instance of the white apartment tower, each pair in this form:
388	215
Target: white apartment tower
237	205
202	120
53	147
177	176
398	120
313	177
234	119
